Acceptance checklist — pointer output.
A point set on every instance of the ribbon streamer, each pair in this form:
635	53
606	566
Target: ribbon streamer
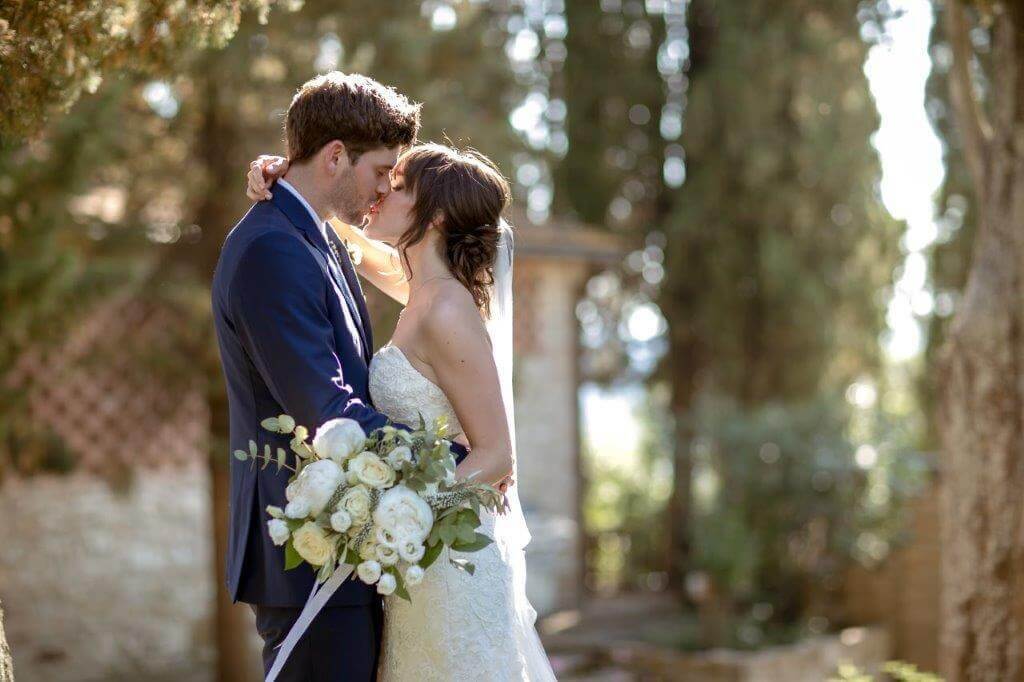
318	598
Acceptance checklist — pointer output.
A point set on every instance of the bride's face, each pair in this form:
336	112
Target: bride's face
392	216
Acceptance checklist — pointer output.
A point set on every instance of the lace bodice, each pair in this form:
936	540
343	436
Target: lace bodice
458	627
401	392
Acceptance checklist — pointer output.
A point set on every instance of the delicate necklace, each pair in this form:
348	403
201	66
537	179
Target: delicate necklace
431	279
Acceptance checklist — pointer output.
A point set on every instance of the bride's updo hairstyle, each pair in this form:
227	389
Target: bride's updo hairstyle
463	194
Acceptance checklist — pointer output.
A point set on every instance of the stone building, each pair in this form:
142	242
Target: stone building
106	576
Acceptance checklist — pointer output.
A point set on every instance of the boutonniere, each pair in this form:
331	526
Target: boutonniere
355	253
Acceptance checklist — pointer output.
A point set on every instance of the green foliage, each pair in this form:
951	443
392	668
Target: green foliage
777	243
52	52
782	507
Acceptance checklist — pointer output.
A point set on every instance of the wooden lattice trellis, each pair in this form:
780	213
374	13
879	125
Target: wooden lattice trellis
95	392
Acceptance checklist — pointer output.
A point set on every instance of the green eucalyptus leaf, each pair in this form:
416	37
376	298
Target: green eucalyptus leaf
463	565
291	557
241	455
480	541
430	556
271	424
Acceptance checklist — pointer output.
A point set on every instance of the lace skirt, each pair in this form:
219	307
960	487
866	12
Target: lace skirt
465	627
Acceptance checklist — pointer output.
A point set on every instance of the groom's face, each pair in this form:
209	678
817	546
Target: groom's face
359	186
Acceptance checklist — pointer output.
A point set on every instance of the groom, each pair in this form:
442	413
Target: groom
294	337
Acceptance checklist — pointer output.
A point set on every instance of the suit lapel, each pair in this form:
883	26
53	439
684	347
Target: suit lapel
300	218
349	273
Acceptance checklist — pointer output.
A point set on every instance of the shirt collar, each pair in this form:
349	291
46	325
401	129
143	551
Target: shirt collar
298	195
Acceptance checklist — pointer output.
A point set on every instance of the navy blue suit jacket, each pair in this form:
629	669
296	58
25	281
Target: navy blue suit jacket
285	349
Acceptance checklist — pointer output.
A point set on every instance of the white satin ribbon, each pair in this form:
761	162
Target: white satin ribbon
318	599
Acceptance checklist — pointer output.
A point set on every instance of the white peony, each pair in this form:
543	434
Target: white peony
383	536
413	575
278	531
369	572
356	501
372	470
387	584
312	544
341	521
338	439
404	514
387	555
297	509
398	456
315	485
411	551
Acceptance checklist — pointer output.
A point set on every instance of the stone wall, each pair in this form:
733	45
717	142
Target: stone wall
99	584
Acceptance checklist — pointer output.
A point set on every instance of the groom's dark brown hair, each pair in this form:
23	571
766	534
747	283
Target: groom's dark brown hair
358	111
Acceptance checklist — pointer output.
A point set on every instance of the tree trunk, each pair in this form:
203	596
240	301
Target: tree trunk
6	664
218	145
981	412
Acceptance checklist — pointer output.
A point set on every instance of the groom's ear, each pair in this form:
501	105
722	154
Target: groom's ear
334	157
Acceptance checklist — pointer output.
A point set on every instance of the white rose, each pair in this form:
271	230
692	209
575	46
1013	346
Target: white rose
338	439
356	501
387	555
312	544
387	584
413	575
399	455
411	551
297	509
372	470
368	572
368	550
278	531
404	514
341	521
315	485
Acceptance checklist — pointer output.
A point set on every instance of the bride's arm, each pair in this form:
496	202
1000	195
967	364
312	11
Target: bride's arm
455	344
379	265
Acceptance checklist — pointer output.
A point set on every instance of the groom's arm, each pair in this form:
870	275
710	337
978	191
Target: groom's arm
280	312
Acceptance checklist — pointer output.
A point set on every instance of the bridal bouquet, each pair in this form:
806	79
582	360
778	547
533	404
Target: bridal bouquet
386	503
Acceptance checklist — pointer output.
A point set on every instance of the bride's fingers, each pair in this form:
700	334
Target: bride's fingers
257	188
274	167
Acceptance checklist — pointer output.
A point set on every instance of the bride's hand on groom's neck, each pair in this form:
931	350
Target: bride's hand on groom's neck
263	172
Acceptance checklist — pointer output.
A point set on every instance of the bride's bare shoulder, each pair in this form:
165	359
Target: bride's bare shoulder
452	313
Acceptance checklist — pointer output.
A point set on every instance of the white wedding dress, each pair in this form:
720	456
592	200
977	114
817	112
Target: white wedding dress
458	627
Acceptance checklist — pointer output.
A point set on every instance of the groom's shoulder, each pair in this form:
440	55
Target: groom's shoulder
264	239
263	227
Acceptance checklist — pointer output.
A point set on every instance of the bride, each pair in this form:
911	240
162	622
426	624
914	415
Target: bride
437	244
